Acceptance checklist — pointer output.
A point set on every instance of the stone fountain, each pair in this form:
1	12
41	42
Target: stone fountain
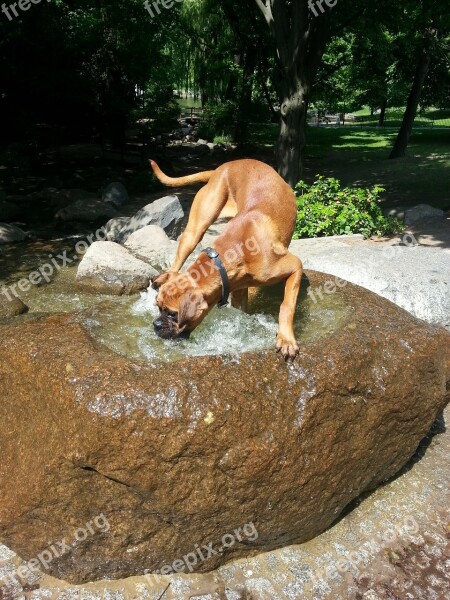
173	454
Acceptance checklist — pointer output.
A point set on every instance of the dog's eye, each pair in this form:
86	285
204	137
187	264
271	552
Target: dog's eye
172	315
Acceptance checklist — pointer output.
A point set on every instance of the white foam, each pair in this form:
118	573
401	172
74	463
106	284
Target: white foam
224	331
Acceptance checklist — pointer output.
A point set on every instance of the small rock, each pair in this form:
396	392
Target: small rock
109	268
116	194
422	211
10	305
74	180
201	149
395	211
91	209
11	233
62	198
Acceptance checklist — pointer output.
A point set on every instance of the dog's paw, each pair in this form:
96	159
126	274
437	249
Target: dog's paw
288	348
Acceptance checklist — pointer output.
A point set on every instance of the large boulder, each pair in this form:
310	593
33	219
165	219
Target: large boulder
387	271
116	194
172	456
165	212
109	268
11	233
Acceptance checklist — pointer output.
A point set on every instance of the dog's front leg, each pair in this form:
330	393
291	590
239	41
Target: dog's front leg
286	342
205	209
186	245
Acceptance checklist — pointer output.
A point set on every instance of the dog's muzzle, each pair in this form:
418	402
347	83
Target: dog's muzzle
168	332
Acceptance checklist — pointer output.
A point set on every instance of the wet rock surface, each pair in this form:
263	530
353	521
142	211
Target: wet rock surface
180	454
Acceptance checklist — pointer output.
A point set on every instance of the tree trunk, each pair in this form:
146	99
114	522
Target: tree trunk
300	42
243	114
291	140
401	143
382	114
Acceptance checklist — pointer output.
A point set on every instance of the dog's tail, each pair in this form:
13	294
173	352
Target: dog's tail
202	177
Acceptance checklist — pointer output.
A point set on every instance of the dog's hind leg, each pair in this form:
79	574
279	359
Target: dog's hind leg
205	209
239	299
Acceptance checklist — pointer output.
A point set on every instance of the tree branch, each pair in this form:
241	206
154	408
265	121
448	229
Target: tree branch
265	8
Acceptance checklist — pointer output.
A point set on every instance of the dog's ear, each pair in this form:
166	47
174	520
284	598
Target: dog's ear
160	280
192	305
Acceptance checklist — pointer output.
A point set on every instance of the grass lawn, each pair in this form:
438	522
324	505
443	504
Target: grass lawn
360	157
432	117
188	103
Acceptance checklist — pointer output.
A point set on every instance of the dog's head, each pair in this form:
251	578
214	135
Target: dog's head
181	305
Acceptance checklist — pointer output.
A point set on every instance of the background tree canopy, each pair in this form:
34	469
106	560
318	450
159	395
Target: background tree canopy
89	69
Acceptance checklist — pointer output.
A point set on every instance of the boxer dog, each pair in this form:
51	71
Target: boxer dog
251	251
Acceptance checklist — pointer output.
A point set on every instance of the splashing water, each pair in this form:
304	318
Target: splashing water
224	331
127	328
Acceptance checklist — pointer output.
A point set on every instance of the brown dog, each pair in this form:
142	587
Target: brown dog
252	250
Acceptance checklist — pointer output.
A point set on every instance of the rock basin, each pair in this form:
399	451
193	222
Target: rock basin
178	453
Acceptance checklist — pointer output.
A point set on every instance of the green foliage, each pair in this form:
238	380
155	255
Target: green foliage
326	208
222	120
223	139
158	112
218	120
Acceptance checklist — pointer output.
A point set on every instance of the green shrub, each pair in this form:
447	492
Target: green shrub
158	112
218	120
223	139
227	119
326	208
